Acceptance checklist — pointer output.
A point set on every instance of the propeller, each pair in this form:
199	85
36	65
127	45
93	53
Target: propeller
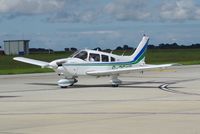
56	63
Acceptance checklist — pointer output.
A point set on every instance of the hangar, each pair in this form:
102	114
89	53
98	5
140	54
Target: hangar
16	47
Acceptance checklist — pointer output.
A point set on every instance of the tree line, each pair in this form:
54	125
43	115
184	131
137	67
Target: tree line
173	46
151	46
123	47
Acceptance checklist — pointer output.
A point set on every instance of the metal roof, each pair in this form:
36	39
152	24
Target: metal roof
16	40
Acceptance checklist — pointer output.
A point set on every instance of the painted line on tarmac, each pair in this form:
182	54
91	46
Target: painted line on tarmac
165	87
102	113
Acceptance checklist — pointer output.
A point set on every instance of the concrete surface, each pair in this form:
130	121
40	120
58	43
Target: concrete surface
156	102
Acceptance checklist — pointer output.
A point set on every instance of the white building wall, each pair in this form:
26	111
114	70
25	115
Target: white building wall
7	48
16	47
21	46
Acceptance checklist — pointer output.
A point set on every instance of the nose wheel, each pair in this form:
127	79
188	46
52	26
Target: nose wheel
64	83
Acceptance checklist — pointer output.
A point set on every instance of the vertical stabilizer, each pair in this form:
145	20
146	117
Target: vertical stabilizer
139	53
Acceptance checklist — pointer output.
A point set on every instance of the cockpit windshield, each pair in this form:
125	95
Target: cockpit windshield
74	54
81	55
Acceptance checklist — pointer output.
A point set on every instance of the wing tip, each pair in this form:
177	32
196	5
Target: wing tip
16	58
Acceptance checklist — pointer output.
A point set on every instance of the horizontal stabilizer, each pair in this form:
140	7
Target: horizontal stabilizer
126	70
32	61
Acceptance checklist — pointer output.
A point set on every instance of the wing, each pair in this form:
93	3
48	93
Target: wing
32	61
127	70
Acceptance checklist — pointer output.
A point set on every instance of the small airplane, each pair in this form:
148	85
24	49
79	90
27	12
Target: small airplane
97	63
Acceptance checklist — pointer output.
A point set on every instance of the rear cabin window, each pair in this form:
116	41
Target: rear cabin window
105	58
112	59
82	55
94	57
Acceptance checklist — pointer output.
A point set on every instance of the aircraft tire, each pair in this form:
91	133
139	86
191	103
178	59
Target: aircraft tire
115	85
64	87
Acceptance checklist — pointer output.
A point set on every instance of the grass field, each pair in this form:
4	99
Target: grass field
156	56
181	56
9	66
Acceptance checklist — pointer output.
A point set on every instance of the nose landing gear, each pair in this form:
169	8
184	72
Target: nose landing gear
64	83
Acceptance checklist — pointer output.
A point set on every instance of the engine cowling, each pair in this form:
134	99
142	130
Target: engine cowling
57	63
53	64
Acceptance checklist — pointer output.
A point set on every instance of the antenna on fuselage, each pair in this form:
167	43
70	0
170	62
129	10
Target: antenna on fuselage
123	53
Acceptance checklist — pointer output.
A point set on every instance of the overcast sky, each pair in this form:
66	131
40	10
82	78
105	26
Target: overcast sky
57	24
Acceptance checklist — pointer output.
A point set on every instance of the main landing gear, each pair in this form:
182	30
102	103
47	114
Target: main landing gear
64	83
115	81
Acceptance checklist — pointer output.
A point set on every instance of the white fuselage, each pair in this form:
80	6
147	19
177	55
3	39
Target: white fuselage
96	63
77	65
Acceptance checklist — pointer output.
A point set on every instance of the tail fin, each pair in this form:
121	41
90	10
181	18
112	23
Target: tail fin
139	53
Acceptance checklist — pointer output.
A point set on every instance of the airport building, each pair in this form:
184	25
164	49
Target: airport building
16	47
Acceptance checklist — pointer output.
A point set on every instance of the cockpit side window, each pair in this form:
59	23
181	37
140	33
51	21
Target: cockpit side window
112	59
105	58
94	57
82	55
